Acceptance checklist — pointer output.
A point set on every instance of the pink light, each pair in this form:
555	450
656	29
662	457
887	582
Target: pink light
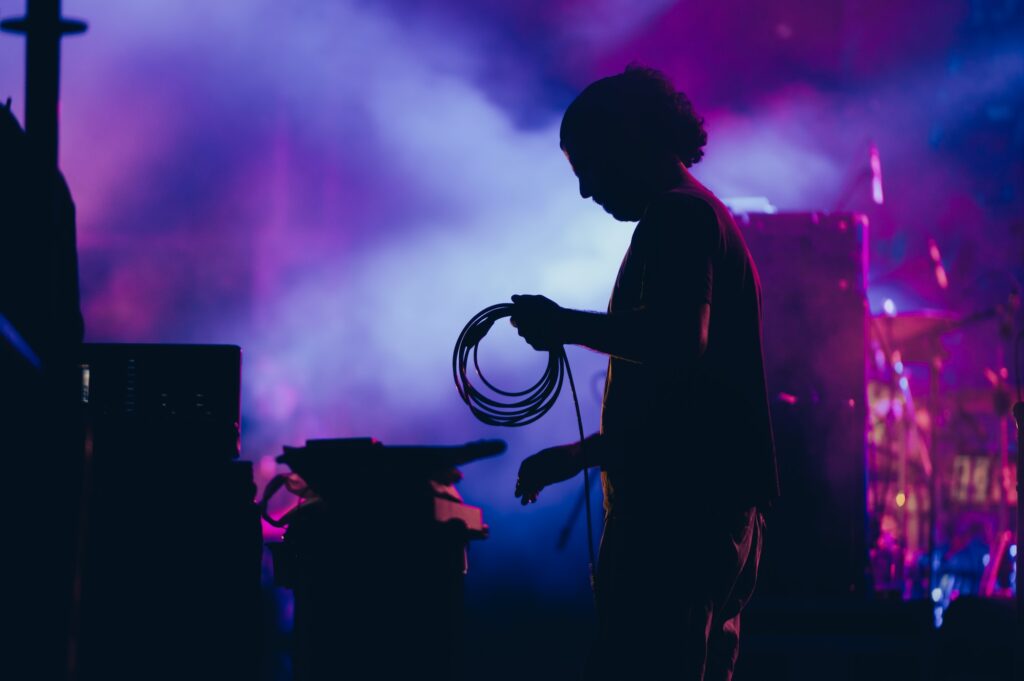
940	270
787	398
876	176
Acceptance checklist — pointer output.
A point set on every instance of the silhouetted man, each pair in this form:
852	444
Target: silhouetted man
685	446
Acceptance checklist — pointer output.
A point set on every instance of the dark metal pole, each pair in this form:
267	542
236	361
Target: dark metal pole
43	27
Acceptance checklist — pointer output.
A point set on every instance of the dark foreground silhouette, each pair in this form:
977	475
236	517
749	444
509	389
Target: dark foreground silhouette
685	447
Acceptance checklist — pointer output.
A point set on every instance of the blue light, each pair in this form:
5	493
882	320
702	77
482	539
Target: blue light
936	594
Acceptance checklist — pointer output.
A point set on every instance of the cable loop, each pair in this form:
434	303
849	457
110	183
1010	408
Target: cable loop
491	409
532	403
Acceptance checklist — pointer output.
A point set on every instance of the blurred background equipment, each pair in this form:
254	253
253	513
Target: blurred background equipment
376	554
813	269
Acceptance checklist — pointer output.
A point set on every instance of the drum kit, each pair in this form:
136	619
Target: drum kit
942	479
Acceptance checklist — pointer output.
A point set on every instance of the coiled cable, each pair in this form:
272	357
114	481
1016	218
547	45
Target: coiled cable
511	408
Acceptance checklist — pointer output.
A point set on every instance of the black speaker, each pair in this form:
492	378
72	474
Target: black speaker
172	541
813	277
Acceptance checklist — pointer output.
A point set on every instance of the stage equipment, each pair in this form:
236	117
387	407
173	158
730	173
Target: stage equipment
522	407
376	555
941	485
40	426
813	269
1018	417
188	394
902	485
172	542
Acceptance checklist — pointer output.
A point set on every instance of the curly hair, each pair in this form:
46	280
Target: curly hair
639	107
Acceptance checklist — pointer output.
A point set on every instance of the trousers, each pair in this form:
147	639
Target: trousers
669	601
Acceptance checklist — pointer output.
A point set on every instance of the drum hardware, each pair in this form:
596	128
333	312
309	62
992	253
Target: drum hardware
903	442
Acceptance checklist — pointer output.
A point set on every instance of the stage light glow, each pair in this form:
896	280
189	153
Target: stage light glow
904	384
940	271
1013	550
889	306
936	594
901	499
876	176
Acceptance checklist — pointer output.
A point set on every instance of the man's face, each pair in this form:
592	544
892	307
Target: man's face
613	181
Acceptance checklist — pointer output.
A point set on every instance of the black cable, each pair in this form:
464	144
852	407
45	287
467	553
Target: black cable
524	406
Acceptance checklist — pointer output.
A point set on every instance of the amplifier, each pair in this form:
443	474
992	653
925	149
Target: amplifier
184	399
813	269
169	569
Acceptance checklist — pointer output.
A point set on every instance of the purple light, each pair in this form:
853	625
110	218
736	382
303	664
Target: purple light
876	176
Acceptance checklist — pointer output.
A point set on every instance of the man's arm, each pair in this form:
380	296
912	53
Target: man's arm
641	335
678	239
557	464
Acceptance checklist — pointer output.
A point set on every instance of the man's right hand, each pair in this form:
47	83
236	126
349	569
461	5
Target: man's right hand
539	320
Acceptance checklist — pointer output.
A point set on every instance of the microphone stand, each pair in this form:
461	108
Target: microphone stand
1018	417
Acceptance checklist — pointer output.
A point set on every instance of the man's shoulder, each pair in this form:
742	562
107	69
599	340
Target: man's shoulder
678	215
681	202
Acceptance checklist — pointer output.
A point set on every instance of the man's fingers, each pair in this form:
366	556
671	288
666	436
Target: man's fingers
529	498
526	492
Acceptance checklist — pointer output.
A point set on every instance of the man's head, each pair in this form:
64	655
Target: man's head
626	137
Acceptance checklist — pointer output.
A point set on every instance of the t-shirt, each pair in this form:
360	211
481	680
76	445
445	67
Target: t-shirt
689	435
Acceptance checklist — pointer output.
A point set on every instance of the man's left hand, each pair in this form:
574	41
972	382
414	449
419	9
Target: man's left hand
547	467
539	321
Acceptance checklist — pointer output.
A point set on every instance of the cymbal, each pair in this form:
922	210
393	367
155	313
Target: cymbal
915	334
980	401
